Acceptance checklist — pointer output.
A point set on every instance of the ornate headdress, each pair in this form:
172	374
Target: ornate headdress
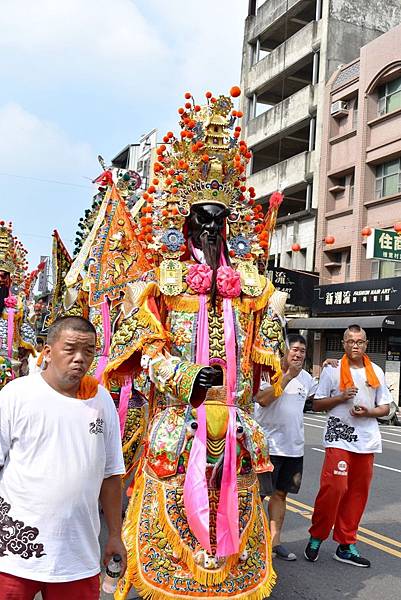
206	164
12	254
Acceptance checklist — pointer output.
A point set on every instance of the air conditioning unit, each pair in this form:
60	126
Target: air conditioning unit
339	109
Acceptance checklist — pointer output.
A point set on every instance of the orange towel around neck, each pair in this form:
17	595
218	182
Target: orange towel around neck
87	388
346	380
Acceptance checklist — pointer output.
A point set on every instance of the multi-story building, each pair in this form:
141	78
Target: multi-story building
291	47
138	157
359	191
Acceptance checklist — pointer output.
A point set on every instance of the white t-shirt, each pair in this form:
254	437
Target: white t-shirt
356	434
33	365
55	452
283	420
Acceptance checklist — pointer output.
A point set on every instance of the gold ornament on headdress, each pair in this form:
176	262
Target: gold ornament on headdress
205	164
12	254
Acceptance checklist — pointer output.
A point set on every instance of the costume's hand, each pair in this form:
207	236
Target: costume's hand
115	546
349	393
208	377
330	362
360	411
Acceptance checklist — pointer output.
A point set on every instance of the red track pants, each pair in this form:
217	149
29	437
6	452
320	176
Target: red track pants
343	494
18	588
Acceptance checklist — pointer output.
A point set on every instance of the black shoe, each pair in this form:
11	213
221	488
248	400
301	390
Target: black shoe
311	552
348	553
282	552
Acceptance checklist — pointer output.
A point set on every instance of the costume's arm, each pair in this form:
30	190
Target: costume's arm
269	346
141	343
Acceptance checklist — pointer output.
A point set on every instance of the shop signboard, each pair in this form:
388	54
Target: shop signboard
379	295
384	245
299	285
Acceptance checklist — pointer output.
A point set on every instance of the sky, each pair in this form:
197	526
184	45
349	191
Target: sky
86	77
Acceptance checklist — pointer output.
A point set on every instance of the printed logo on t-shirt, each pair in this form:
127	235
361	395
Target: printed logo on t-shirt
16	537
96	426
337	430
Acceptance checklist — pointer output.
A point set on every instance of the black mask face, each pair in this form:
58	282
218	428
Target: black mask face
205	231
206	223
4	291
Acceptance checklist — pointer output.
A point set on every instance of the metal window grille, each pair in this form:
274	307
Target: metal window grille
388	179
389	97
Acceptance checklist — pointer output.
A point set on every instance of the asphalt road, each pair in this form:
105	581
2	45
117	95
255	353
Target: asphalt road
379	539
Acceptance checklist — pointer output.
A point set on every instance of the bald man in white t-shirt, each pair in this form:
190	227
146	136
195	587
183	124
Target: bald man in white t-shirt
60	453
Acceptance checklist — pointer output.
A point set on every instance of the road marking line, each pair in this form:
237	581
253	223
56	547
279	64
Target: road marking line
309	509
391	441
375	464
318	426
361	538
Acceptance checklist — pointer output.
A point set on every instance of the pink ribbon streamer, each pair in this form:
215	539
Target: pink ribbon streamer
107	337
196	497
10	335
125	394
10	331
227	525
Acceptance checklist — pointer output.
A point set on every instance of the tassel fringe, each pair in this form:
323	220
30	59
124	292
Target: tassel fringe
148	592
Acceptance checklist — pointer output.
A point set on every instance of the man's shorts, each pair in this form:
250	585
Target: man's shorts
18	588
286	477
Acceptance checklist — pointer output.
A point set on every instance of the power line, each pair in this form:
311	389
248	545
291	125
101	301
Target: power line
46	180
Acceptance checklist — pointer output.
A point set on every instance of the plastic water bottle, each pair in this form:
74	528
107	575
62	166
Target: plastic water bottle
113	571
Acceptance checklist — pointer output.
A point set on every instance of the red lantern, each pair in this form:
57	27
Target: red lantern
366	232
295	247
329	239
397	227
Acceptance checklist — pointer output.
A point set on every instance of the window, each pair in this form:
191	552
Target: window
388	179
385	268
351	190
347	269
355	113
335	257
389	97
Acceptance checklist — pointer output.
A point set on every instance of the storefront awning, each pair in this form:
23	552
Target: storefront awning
371	322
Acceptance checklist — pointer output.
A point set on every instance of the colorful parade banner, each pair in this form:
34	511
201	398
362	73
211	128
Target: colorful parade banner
61	264
116	256
78	265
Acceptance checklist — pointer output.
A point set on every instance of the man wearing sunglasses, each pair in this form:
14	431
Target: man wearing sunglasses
354	394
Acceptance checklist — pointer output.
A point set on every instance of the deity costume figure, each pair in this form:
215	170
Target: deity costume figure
203	323
17	337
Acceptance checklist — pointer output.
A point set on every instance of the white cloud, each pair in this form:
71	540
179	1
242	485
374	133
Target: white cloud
30	145
75	39
143	48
